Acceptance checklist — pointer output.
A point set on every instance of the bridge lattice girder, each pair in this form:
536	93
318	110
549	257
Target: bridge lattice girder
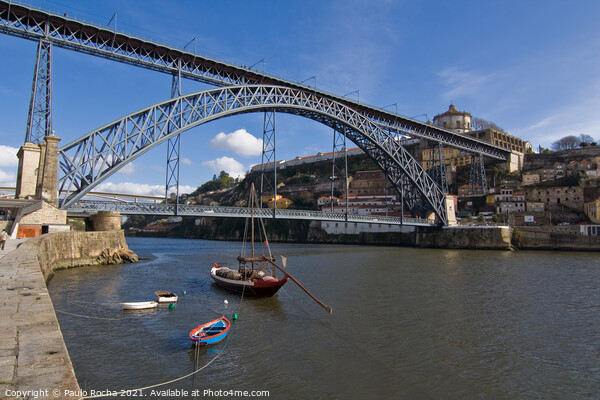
89	160
87	207
33	24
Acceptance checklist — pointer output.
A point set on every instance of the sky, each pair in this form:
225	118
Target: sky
531	67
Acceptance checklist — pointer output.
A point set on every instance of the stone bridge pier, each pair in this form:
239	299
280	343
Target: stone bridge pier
37	180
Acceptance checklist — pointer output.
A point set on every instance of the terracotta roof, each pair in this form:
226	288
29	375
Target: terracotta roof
452	111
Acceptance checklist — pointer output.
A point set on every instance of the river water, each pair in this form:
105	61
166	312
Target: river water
407	324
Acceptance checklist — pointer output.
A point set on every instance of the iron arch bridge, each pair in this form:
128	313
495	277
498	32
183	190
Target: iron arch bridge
89	160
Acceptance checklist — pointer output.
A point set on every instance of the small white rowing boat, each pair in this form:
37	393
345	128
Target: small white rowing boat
164	296
139	305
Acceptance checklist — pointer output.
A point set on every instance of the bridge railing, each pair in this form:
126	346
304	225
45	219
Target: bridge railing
187	210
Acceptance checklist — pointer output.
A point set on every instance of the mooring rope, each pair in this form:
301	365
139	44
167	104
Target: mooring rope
121	392
86	316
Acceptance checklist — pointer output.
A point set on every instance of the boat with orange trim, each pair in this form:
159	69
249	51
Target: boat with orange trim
211	332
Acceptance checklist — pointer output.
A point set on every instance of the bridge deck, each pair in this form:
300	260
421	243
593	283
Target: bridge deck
86	207
34	24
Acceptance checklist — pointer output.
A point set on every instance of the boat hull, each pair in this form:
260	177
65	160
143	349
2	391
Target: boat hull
257	288
139	305
211	332
166	297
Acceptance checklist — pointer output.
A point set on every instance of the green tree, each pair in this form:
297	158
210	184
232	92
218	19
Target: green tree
305	200
222	182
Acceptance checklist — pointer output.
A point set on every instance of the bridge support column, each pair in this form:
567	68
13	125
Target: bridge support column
339	146
450	202
174	148
477	179
47	179
29	161
105	221
39	120
269	159
439	167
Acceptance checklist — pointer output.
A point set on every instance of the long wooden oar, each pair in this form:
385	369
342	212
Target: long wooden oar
319	302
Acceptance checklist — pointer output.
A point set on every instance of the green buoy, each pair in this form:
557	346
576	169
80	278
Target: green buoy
171	306
234	316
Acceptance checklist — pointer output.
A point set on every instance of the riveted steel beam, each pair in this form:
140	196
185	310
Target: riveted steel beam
87	161
39	120
83	207
30	23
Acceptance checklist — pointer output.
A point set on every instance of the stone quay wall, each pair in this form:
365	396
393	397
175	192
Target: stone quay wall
480	238
75	249
554	238
34	361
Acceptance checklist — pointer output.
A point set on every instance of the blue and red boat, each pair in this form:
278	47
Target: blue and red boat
211	332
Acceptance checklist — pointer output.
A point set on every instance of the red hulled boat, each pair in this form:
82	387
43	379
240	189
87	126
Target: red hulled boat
255	275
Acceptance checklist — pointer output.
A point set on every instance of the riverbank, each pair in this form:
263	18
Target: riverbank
34	362
482	237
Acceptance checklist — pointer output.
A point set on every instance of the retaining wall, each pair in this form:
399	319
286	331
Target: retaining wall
554	238
479	238
75	249
34	362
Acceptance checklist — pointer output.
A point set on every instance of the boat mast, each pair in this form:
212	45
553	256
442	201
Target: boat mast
252	199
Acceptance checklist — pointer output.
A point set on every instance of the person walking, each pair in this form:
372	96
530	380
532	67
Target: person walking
3	238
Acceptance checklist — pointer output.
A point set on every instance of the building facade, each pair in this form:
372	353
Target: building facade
453	120
557	198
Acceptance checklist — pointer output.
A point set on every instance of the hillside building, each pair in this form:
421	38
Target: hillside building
531	179
281	201
500	139
556	198
592	210
453	120
460	122
369	193
450	157
327	201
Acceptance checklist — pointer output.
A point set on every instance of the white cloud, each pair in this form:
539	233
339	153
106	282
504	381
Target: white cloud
186	161
231	166
7	179
8	156
128	169
240	142
140	188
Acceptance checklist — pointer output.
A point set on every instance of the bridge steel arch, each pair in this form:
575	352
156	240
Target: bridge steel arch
91	159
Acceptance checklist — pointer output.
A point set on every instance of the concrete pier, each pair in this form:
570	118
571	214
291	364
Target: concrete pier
34	362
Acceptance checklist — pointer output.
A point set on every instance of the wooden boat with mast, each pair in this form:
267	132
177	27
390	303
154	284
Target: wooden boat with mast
256	275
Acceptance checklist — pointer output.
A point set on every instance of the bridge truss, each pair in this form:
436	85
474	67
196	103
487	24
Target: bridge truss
375	130
92	158
88	207
59	30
